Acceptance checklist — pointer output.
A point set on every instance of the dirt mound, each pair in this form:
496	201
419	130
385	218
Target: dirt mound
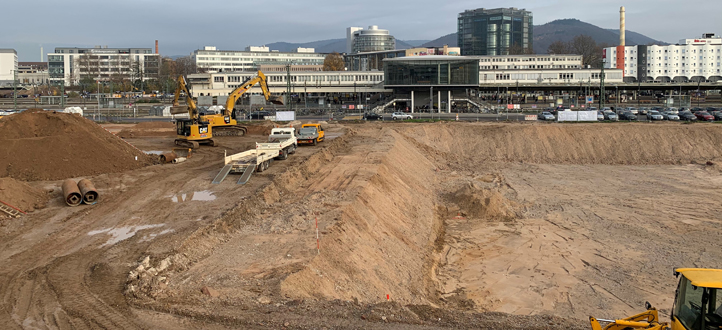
263	128
45	145
619	144
478	202
150	128
21	195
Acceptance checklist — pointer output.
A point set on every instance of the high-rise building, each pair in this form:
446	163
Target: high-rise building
501	31
374	39
8	64
70	65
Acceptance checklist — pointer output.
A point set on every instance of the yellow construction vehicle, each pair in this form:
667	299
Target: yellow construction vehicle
225	124
191	131
697	306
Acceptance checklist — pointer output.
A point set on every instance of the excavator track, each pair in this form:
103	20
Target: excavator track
234	130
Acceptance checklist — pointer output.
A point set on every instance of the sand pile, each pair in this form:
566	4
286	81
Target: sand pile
477	202
45	145
151	128
619	144
262	128
21	195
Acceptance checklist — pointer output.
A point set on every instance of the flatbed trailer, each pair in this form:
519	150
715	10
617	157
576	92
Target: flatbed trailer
247	162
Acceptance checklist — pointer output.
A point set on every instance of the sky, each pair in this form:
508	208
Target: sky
182	26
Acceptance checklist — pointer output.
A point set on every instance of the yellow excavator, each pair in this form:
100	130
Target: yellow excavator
697	305
192	131
225	124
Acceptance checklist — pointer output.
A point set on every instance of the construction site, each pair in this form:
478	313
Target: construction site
407	225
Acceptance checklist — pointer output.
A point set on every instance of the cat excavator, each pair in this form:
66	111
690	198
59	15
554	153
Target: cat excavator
225	124
697	305
192	131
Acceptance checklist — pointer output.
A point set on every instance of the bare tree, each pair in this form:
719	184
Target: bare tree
558	47
586	46
333	62
185	66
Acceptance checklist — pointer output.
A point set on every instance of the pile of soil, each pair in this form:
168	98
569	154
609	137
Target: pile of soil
46	145
151	128
22	196
263	128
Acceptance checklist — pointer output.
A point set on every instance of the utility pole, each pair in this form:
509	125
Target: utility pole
602	92
431	102
15	89
288	87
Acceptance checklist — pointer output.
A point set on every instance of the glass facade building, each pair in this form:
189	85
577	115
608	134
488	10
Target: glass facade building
424	71
371	40
495	31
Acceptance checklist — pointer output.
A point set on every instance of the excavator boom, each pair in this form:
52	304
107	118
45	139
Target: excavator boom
260	79
191	104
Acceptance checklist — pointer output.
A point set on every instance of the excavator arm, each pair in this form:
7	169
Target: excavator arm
240	90
191	105
648	320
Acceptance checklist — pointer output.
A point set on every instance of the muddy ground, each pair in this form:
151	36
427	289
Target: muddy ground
457	225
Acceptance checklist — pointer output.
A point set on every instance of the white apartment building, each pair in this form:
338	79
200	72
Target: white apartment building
527	62
689	60
211	59
222	83
8	65
69	65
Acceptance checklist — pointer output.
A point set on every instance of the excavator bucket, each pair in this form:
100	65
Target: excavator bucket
276	100
178	110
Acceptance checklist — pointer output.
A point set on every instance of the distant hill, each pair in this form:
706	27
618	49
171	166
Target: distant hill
416	43
564	30
449	39
325	46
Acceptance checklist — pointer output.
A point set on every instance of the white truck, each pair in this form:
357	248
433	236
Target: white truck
282	142
283	138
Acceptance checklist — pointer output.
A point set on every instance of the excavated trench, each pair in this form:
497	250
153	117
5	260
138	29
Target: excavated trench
405	212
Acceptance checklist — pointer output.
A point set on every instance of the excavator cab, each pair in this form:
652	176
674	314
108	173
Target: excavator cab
698	300
697	305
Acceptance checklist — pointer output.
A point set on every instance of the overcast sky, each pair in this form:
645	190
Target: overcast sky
182	26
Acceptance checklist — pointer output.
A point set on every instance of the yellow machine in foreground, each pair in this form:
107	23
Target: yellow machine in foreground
225	124
697	305
192	131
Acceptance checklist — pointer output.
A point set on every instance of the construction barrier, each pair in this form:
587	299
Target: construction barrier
577	116
531	117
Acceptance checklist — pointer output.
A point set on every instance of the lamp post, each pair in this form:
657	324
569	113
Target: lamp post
97	96
15	92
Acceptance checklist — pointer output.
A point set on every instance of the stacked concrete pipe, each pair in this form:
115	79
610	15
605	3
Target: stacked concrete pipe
90	195
71	193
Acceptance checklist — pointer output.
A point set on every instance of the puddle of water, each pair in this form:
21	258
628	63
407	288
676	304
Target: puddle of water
122	233
204	196
154	152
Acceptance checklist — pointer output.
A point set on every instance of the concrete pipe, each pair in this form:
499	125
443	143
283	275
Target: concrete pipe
167	157
90	195
179	160
71	193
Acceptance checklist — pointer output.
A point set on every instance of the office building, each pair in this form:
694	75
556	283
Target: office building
8	64
33	73
374	39
501	31
70	65
697	60
210	59
370	61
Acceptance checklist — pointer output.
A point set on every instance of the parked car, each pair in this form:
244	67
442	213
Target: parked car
704	115
669	115
372	116
710	109
673	110
654	115
717	115
605	109
627	115
696	109
643	110
610	115
600	116
545	116
401	115
632	110
687	116
259	114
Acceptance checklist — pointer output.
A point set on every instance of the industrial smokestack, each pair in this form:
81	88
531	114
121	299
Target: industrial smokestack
622	28
156	46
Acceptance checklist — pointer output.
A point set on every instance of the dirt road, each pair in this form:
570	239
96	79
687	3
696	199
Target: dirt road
420	226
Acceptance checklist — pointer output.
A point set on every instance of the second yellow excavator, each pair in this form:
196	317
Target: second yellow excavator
192	131
225	124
